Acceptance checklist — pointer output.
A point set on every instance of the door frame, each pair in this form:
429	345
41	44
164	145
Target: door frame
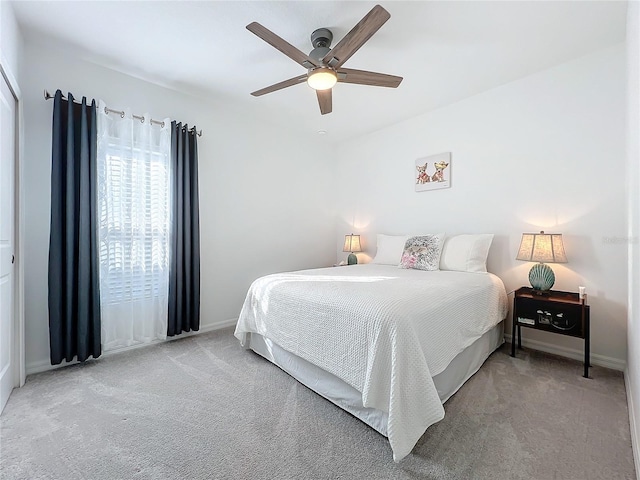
18	344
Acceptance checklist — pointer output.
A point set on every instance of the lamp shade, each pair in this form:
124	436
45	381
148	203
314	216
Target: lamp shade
542	247
352	243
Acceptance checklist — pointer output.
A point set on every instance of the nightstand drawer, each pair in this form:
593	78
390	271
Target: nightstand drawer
550	316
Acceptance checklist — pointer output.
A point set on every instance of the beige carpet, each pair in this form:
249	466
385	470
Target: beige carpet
203	408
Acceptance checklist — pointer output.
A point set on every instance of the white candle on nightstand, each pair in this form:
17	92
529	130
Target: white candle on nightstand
582	292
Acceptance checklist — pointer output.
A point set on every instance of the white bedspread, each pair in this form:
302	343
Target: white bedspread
382	329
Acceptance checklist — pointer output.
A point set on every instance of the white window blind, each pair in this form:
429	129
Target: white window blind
134	226
133	208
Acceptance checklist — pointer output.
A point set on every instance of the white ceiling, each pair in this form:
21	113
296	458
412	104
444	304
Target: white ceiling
445	50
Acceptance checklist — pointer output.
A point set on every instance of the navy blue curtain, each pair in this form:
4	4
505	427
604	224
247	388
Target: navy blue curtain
184	262
74	288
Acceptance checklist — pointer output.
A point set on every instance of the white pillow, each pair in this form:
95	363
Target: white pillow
466	253
390	248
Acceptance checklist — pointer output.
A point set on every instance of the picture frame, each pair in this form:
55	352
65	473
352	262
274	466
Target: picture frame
432	172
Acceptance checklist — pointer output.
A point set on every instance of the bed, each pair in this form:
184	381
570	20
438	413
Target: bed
389	345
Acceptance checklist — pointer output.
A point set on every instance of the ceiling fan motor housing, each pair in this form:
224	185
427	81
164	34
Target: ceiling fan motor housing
321	40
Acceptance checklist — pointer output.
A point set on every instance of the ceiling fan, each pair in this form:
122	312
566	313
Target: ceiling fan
324	64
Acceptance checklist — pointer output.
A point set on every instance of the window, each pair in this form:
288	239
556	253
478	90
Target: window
134	223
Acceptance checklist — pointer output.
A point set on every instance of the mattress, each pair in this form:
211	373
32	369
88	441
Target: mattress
382	330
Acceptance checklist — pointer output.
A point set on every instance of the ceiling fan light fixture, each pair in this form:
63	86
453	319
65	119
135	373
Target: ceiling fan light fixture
322	78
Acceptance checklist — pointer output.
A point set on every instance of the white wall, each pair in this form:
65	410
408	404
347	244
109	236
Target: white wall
10	39
263	192
544	152
632	375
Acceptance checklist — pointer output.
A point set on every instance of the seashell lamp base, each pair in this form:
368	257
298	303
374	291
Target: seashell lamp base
541	277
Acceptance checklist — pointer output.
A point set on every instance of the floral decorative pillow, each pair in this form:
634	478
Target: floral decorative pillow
422	252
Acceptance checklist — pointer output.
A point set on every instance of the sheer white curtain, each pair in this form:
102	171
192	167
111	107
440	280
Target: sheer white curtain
133	212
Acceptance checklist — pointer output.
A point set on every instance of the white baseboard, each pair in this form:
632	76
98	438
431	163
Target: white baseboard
632	423
600	360
214	326
44	365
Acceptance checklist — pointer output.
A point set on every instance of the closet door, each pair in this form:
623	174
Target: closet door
7	223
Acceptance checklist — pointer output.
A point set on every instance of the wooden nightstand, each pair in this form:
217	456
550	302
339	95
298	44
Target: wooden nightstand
564	313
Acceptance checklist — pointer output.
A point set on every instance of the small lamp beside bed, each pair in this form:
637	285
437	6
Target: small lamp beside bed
542	247
351	245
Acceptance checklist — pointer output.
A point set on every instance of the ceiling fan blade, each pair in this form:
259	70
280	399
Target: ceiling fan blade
282	45
324	100
280	85
357	37
362	77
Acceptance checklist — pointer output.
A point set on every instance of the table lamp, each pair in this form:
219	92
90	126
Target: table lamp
352	244
542	247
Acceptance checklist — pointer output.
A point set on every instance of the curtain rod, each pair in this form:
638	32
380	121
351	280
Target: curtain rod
48	96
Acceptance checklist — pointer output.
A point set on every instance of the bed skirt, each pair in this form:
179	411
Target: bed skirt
461	368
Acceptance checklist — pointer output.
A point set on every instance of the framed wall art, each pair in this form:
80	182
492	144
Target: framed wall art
432	172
